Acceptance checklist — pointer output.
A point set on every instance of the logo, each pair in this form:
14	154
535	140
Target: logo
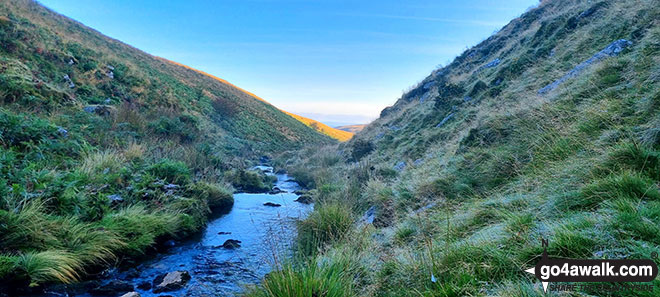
549	270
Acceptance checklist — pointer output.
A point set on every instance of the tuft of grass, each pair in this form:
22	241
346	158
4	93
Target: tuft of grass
405	234
633	157
101	163
328	223
215	195
574	239
139	227
175	172
307	279
49	266
620	186
637	221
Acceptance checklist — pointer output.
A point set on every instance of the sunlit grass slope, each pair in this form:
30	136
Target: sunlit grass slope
317	126
340	135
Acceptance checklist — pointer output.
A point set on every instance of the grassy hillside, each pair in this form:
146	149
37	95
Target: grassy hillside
337	134
105	151
454	185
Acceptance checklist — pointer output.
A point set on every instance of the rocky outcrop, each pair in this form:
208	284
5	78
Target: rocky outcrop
612	50
171	281
131	294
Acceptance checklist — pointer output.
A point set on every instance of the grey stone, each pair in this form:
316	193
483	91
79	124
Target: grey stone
101	110
131	294
171	281
612	50
445	120
170	187
115	199
369	215
493	63
62	131
400	166
68	80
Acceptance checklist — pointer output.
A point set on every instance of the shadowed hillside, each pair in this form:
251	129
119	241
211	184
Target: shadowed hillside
550	128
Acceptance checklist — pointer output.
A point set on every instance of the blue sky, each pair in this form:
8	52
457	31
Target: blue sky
336	61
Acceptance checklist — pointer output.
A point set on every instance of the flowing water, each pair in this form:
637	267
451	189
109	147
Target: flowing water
265	232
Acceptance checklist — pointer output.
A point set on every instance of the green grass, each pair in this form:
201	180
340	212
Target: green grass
328	223
49	266
308	279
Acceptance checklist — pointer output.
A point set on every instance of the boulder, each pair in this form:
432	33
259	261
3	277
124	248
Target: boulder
171	281
131	294
102	110
115	199
231	244
400	166
271	204
304	199
112	288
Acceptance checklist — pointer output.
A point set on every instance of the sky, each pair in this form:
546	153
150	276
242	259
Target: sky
339	61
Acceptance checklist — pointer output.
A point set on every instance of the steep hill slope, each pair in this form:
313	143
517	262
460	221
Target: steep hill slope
549	129
41	48
106	151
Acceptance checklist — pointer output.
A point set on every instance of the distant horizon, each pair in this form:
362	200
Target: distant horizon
338	63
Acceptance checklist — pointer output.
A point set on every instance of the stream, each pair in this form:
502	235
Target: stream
265	234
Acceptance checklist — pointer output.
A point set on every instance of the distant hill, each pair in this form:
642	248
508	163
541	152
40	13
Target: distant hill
323	128
352	128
